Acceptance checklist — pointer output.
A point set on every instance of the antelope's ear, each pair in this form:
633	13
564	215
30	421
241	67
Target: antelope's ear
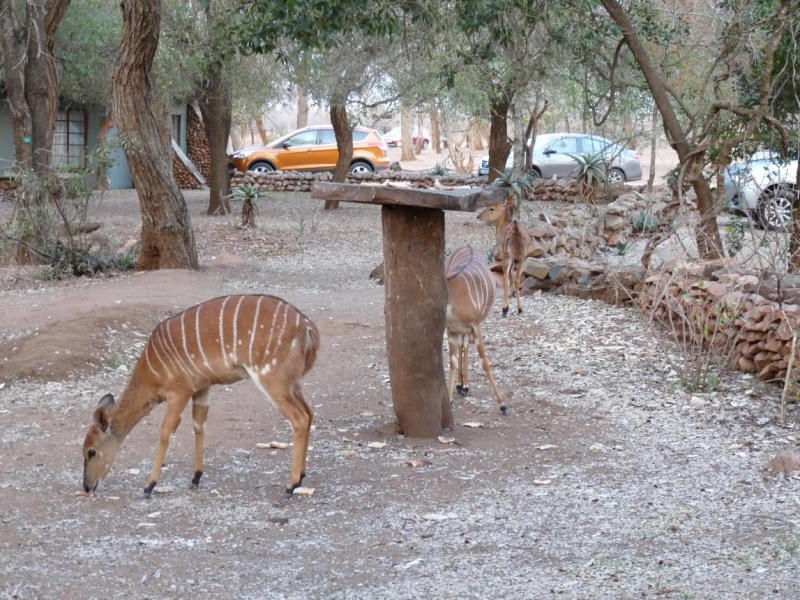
509	201
101	413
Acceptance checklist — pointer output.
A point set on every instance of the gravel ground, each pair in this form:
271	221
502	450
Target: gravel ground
608	480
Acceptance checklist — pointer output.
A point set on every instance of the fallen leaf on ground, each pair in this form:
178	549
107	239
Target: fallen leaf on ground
84	494
541	482
546	447
418	463
473	424
446	440
349	453
275	445
376	445
303	491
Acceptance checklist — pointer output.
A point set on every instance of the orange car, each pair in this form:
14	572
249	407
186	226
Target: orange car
313	149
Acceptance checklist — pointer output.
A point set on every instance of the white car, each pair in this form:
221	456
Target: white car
394	138
763	188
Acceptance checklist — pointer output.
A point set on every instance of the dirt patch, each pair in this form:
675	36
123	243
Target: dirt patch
74	347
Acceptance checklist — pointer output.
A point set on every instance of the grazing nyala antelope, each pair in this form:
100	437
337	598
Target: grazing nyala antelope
220	341
513	249
470	297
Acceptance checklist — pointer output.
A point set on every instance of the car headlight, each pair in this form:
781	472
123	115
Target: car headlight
238	155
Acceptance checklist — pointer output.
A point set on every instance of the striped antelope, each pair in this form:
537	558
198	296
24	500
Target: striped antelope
513	249
470	297
220	341
499	215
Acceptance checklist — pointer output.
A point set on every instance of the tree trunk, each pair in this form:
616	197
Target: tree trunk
12	37
167	237
262	131
475	137
302	106
709	243
106	125
416	300
344	143
653	142
41	77
215	106
407	134
519	140
499	146
436	133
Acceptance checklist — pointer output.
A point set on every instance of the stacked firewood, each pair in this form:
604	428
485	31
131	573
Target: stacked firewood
197	151
8	188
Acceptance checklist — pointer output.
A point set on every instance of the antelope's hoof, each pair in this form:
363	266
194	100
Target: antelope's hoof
464	391
148	491
196	479
519	311
504	409
505	311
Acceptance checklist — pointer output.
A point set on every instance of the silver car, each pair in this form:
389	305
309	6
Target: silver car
763	187
551	157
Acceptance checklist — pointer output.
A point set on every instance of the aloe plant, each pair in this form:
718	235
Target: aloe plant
516	186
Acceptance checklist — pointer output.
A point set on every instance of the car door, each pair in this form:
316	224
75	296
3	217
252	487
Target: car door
300	152
328	150
556	162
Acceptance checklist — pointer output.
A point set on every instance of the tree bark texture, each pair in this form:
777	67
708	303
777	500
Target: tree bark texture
216	107
406	134
416	300
436	133
167	237
31	77
262	131
302	106
794	239
499	146
344	143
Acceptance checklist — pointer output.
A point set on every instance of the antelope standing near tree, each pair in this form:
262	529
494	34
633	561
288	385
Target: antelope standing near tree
513	250
470	297
220	341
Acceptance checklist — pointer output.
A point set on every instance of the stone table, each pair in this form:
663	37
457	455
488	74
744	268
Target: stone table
416	292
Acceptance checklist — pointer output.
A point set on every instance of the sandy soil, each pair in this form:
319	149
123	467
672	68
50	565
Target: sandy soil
608	479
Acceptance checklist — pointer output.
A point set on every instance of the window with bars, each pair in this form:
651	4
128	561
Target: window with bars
69	139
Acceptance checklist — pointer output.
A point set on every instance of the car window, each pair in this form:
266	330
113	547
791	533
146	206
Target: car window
565	144
360	136
306	138
327	136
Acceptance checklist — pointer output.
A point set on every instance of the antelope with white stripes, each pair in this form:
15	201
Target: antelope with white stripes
220	341
470	297
513	250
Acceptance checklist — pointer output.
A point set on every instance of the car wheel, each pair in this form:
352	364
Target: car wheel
616	176
261	167
358	168
775	208
425	144
535	173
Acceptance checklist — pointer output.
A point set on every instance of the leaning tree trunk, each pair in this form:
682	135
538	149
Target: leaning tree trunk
167	237
499	146
709	243
344	142
215	106
106	125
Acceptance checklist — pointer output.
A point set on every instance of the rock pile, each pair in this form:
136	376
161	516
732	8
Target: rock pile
724	308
